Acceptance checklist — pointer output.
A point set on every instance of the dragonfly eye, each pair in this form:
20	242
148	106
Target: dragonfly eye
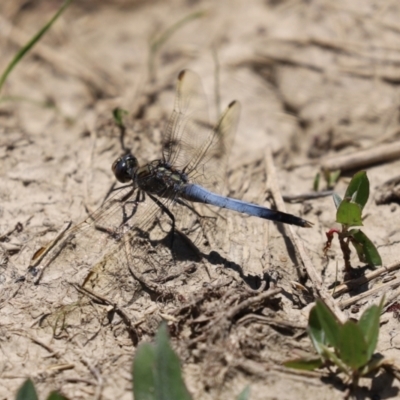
123	168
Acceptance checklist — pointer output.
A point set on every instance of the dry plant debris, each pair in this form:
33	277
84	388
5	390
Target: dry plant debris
318	82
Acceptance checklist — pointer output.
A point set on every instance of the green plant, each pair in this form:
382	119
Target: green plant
156	372
158	42
17	58
330	177
118	115
244	394
349	346
28	392
348	214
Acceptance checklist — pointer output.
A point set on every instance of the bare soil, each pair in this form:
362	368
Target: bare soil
316	79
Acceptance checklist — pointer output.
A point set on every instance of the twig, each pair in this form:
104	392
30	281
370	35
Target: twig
39	255
318	289
43	251
363	158
39	342
60	367
18	227
252	300
122	314
224	317
79	380
96	373
250	318
349	285
298	198
253	367
390	285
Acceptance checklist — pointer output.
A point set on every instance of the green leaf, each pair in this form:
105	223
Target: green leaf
56	396
359	249
118	115
329	324
366	250
31	43
168	380
337	200
157	372
349	213
244	394
353	349
316	182
315	331
358	189
27	391
143	373
333	178
369	325
307	364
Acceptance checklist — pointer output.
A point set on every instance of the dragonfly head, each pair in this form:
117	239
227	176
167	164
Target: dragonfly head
124	168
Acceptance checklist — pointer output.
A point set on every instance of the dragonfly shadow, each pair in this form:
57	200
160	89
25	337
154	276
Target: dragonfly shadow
253	281
185	250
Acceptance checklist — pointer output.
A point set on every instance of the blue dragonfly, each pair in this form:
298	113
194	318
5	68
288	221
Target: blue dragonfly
193	162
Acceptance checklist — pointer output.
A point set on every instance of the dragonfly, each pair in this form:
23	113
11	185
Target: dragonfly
109	250
193	154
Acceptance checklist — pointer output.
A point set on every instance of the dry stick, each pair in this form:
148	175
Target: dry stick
298	198
120	312
59	60
358	49
43	251
97	375
318	289
39	342
299	61
251	301
349	285
229	316
390	285
363	158
271	321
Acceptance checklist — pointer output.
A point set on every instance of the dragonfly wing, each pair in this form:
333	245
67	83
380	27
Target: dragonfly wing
112	275
79	247
191	143
208	166
188	125
93	256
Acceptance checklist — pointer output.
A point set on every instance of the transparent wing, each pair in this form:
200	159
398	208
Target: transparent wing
188	123
94	255
86	242
208	166
191	143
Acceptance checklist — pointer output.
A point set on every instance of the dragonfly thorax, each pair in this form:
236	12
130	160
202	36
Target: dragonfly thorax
160	178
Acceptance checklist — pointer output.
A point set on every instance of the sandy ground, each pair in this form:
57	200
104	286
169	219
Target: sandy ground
316	80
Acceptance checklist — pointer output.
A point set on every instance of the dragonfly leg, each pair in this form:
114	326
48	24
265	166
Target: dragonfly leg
170	215
139	198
